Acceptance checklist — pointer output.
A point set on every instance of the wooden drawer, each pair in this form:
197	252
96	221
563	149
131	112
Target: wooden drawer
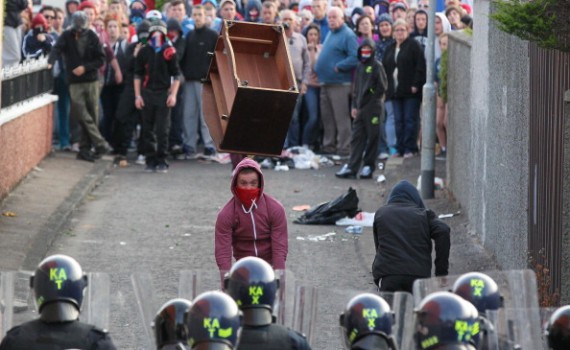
250	91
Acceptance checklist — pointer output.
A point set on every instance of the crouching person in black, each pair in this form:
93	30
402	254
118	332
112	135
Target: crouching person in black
157	78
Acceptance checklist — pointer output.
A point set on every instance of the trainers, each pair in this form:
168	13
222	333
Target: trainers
86	156
408	155
141	160
209	151
162	168
442	155
102	149
383	156
75	148
366	172
190	155
150	168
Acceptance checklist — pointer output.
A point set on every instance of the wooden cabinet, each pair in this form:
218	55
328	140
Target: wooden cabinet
250	91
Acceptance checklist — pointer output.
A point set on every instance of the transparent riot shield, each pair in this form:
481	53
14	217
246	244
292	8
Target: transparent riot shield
194	282
285	301
518	322
545	314
147	303
6	301
23	298
97	300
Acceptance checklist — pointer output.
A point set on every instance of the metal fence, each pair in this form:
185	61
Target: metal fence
25	80
549	79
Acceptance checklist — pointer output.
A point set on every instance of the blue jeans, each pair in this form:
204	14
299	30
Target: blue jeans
312	107
390	125
406	117
294	132
62	91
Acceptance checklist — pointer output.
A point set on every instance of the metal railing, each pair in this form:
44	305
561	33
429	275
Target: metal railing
549	79
25	80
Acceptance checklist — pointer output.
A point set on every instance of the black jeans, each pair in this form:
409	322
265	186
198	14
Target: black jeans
126	118
110	97
156	126
397	283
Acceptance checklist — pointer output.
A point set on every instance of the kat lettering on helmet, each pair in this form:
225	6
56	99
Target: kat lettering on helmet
58	276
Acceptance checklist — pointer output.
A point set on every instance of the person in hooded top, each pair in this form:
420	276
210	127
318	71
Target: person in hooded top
441	26
252	223
403	233
367	112
253	11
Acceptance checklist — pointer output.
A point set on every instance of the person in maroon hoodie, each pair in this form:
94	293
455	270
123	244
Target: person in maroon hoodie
252	223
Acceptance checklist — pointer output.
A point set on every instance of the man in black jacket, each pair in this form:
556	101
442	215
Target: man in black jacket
157	77
83	56
403	231
195	64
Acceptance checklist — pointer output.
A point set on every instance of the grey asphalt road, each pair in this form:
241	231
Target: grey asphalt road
158	225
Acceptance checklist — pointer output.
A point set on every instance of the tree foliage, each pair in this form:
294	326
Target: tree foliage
533	20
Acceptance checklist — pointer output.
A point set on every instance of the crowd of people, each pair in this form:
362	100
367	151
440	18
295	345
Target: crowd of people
101	56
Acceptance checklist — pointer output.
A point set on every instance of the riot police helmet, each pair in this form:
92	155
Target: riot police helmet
444	319
252	283
366	314
480	290
58	285
170	323
213	322
558	329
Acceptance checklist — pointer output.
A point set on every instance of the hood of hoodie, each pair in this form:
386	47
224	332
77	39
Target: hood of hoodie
405	192
366	42
173	24
247	163
250	5
416	31
444	22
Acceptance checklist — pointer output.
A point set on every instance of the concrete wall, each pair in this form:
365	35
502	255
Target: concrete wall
488	128
25	139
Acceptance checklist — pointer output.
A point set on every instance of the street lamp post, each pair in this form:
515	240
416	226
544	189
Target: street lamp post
428	111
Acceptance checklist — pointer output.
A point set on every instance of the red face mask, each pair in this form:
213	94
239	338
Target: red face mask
247	195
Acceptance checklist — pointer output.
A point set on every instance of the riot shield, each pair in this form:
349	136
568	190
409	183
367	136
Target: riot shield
6	301
519	322
97	300
147	303
285	301
194	282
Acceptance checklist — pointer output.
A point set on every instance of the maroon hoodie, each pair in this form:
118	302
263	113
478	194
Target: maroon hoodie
261	231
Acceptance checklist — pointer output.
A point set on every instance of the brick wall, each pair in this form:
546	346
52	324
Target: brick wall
24	142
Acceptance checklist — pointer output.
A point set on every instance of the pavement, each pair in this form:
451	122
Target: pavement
44	201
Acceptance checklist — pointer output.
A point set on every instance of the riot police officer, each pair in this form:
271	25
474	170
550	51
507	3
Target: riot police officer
558	329
444	321
58	285
253	286
213	322
170	325
367	323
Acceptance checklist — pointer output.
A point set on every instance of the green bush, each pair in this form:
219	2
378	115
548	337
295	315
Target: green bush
535	21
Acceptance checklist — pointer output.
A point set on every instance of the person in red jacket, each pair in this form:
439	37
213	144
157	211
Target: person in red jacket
252	223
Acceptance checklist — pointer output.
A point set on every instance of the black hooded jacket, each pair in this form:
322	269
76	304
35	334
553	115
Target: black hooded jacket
403	234
370	82
79	48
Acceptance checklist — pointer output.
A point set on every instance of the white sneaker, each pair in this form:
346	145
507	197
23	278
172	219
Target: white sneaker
75	148
383	156
141	160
